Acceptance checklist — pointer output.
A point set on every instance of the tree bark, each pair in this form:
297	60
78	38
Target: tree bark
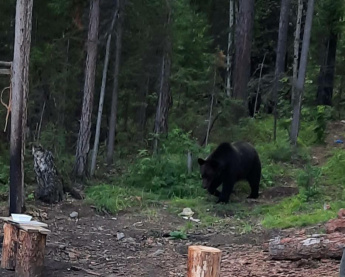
141	113
297	101
30	254
9	247
113	112
83	144
20	90
296	47
303	247
203	261
326	75
280	59
101	97
244	35
164	98
230	46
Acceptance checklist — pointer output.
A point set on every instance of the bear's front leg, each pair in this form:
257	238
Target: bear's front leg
228	185
214	191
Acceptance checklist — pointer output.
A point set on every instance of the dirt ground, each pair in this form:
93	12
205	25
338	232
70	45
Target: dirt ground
92	244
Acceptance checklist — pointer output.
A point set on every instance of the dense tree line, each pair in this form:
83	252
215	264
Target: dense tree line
170	63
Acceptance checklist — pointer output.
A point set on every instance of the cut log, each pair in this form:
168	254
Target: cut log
9	246
203	261
50	187
30	254
307	247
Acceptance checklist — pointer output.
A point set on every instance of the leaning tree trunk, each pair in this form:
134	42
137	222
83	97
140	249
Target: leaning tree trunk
113	112
230	47
50	187
280	59
244	35
101	97
164	99
297	101
83	144
326	76
20	89
296	47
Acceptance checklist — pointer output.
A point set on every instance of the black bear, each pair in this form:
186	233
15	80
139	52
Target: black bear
228	164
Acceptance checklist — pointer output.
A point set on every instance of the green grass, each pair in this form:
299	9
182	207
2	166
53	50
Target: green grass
294	212
153	179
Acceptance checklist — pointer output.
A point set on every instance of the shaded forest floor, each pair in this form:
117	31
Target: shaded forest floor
136	242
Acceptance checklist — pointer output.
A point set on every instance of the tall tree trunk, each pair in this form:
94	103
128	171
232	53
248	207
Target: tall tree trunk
164	99
83	144
141	113
244	35
297	100
20	90
113	112
280	59
296	47
101	97
326	76
230	46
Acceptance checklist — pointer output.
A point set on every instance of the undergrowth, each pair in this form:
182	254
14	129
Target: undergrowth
164	176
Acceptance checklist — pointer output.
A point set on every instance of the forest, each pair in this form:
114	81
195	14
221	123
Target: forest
118	99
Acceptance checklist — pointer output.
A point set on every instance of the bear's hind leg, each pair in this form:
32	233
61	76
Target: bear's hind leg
254	182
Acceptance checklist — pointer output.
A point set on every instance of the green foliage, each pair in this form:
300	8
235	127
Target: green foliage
113	198
334	168
178	235
308	181
166	173
322	116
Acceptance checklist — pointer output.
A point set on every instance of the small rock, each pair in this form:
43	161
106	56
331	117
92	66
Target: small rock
73	215
62	247
120	236
157	253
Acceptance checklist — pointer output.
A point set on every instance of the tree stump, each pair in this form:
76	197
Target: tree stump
30	254
9	246
203	261
306	247
50	188
23	247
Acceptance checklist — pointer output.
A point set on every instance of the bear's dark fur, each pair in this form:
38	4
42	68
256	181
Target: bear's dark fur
228	164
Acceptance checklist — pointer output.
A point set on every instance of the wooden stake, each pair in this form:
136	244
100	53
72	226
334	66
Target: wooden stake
30	254
9	247
203	261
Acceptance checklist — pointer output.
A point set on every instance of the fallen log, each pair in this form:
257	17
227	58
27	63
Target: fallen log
318	246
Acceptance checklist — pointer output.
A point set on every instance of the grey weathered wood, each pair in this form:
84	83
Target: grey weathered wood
83	144
101	97
5	64
113	111
4	71
299	86
318	246
342	265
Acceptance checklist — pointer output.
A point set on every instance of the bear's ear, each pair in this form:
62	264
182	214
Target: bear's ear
201	161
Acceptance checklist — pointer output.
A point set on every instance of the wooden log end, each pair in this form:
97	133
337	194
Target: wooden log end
203	261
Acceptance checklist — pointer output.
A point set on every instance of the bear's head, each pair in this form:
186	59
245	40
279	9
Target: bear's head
208	171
